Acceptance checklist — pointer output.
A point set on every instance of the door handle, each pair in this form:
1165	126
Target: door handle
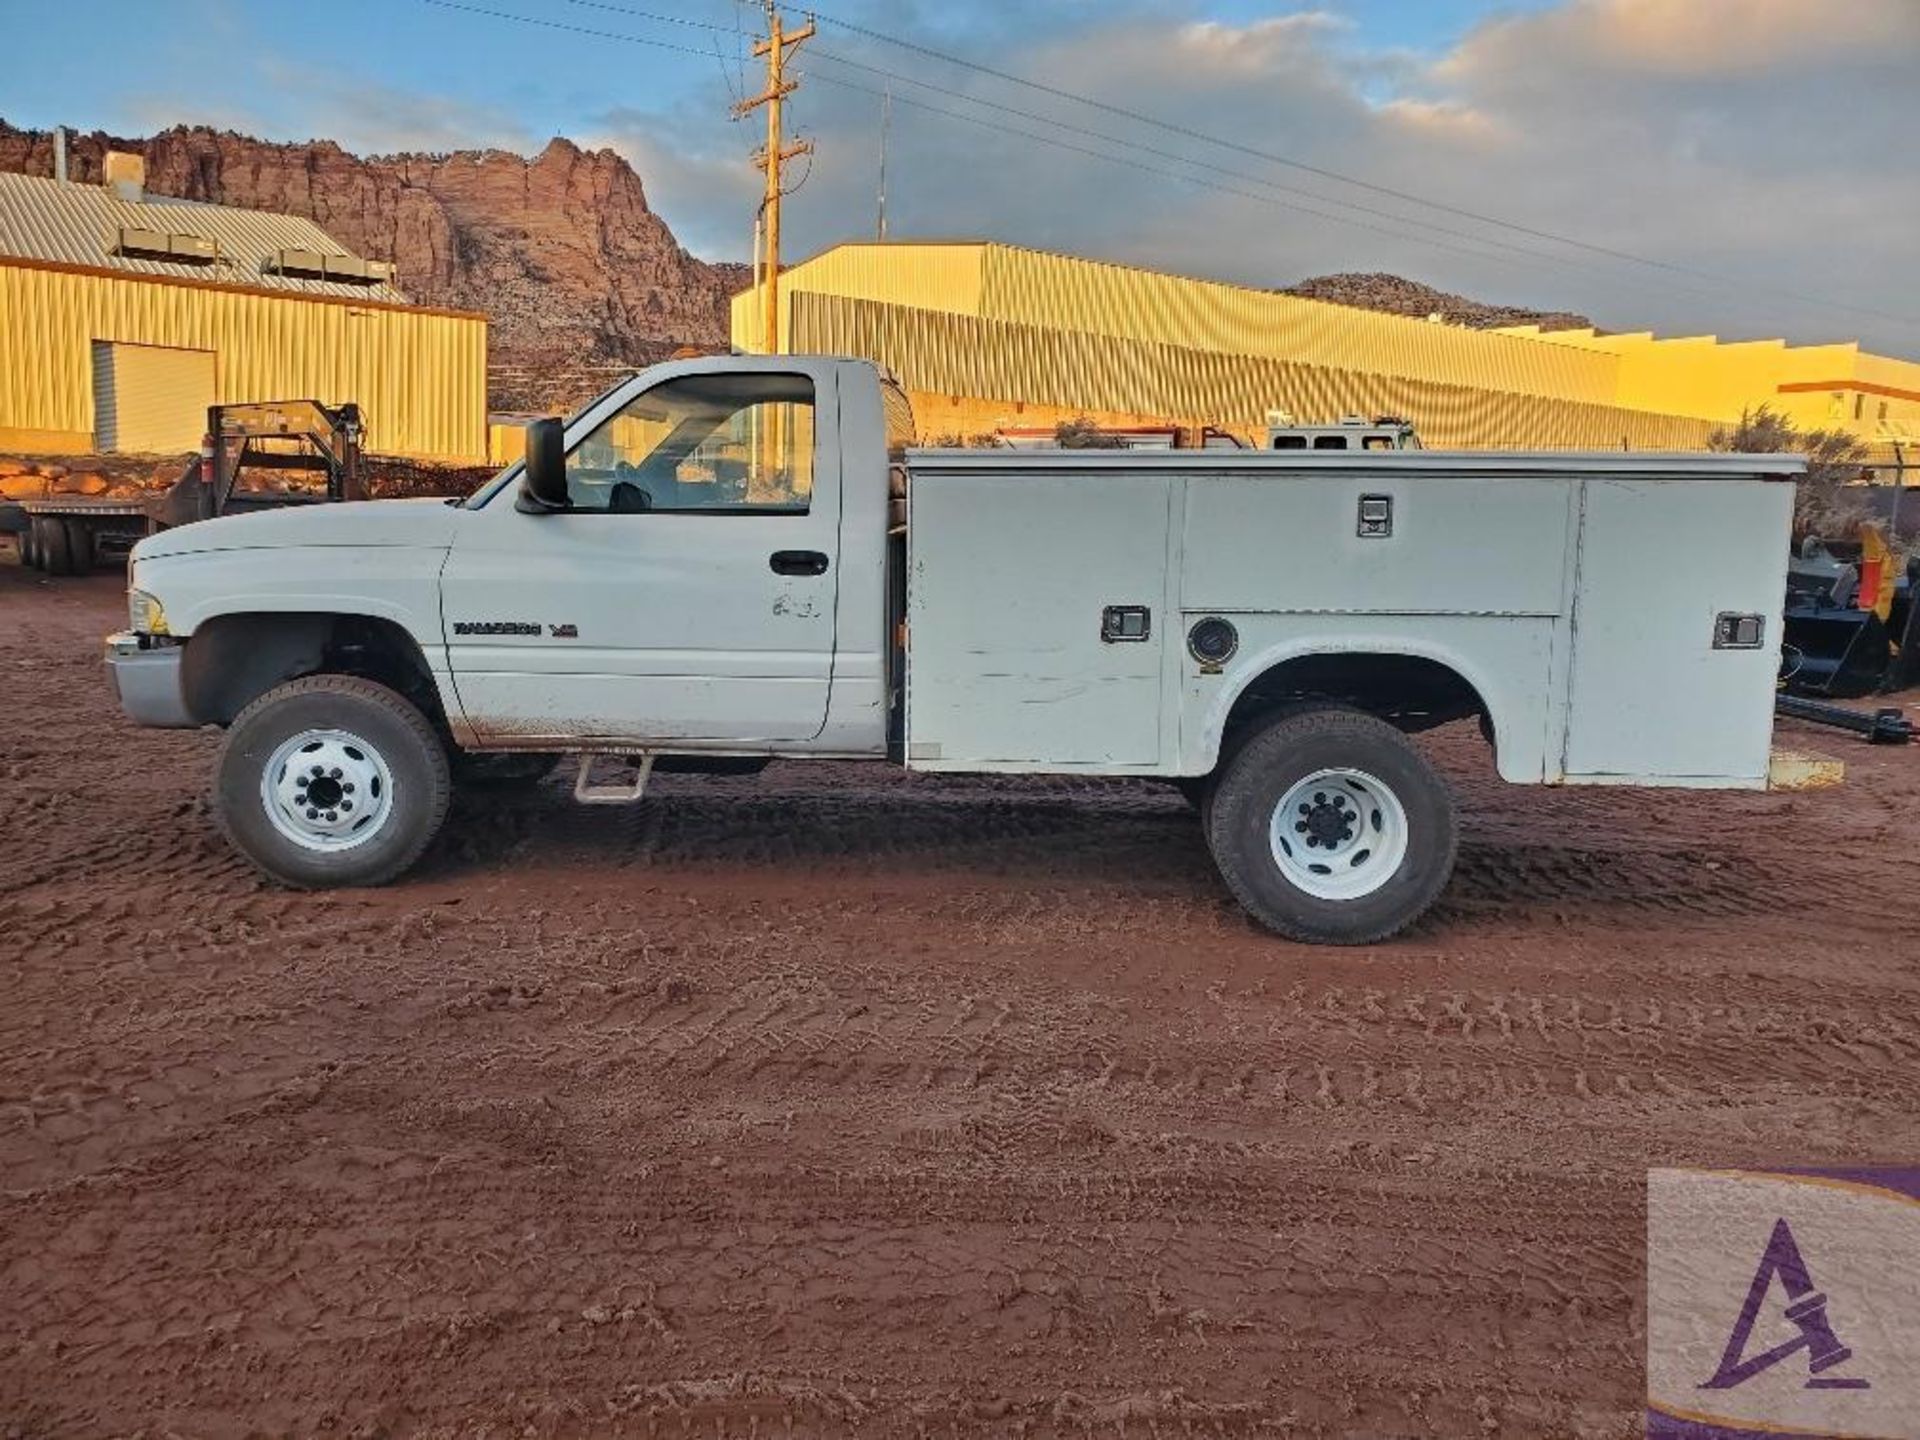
798	562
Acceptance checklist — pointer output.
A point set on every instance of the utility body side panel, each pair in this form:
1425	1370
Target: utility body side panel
1497	566
1005	612
1482	545
1651	697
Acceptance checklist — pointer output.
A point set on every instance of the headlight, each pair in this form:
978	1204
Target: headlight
144	615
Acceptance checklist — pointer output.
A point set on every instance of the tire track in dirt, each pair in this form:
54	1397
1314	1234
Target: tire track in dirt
838	1101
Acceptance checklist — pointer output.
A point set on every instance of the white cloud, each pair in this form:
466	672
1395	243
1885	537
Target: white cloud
368	118
1758	142
1759	145
695	174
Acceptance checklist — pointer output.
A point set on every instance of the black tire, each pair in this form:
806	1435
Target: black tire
1258	775
388	726
79	547
50	545
23	542
510	771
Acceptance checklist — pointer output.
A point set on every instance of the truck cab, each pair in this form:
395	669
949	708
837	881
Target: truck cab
712	576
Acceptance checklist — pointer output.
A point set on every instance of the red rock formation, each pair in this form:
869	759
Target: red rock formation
579	275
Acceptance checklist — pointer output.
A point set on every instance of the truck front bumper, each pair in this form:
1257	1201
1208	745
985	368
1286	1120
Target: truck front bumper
147	681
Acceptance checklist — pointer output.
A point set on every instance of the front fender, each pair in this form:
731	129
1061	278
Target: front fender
397	584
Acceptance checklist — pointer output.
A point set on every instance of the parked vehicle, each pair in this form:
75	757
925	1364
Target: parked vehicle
730	559
1350	432
1846	638
249	452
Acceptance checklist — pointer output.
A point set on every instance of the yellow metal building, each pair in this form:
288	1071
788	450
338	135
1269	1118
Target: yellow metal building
123	316
987	336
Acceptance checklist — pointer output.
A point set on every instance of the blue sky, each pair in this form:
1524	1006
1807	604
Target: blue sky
107	64
1748	147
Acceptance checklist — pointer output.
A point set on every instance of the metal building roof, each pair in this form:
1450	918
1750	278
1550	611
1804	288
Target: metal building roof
73	223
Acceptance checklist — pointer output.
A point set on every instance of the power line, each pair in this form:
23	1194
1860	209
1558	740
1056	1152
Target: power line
1524	252
1422	233
1539	256
1726	288
1147	169
949	114
570	29
1188	132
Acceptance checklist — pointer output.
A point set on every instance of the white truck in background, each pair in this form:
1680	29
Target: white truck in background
730	559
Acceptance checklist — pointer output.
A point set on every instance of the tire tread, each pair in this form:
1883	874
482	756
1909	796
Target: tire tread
440	788
1242	773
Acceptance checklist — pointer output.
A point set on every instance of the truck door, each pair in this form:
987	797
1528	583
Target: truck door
687	594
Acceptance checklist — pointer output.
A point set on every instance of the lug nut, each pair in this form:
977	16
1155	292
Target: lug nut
313	814
347	788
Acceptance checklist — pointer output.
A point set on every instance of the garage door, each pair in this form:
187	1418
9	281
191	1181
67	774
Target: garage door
150	399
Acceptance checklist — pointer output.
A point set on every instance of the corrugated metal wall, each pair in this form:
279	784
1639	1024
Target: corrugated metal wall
957	355
419	377
1058	292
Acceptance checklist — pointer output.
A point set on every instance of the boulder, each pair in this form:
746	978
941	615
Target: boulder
22	487
82	483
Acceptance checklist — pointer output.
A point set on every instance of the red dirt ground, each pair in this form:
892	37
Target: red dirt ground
843	1102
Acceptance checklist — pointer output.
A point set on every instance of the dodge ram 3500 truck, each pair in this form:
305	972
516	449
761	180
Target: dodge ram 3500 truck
729	559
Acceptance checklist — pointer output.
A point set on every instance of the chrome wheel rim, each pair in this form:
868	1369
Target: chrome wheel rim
327	790
1338	834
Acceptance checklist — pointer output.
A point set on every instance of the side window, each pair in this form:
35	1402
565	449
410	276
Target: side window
1289	442
1378	442
740	444
1329	442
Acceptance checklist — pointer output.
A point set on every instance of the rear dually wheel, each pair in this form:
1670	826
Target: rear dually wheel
1330	827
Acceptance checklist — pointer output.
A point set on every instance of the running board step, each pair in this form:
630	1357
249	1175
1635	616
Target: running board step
586	792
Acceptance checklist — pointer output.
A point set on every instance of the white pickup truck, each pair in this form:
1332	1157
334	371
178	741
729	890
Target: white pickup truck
730	559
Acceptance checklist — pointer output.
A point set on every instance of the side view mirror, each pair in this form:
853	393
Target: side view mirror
543	481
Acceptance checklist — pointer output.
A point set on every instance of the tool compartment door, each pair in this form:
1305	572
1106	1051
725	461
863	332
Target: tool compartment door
1008	579
1651	699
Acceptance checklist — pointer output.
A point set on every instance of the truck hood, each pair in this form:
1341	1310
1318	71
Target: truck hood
364	523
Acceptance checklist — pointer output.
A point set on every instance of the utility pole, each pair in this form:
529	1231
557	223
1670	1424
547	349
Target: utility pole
778	48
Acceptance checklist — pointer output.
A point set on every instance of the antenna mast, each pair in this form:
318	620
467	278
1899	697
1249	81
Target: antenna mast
886	125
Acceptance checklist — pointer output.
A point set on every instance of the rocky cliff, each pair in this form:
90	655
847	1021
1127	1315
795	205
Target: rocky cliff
581	278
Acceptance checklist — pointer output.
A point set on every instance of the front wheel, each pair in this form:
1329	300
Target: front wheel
1330	827
331	780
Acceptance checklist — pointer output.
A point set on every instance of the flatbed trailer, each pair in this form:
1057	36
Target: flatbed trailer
71	534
